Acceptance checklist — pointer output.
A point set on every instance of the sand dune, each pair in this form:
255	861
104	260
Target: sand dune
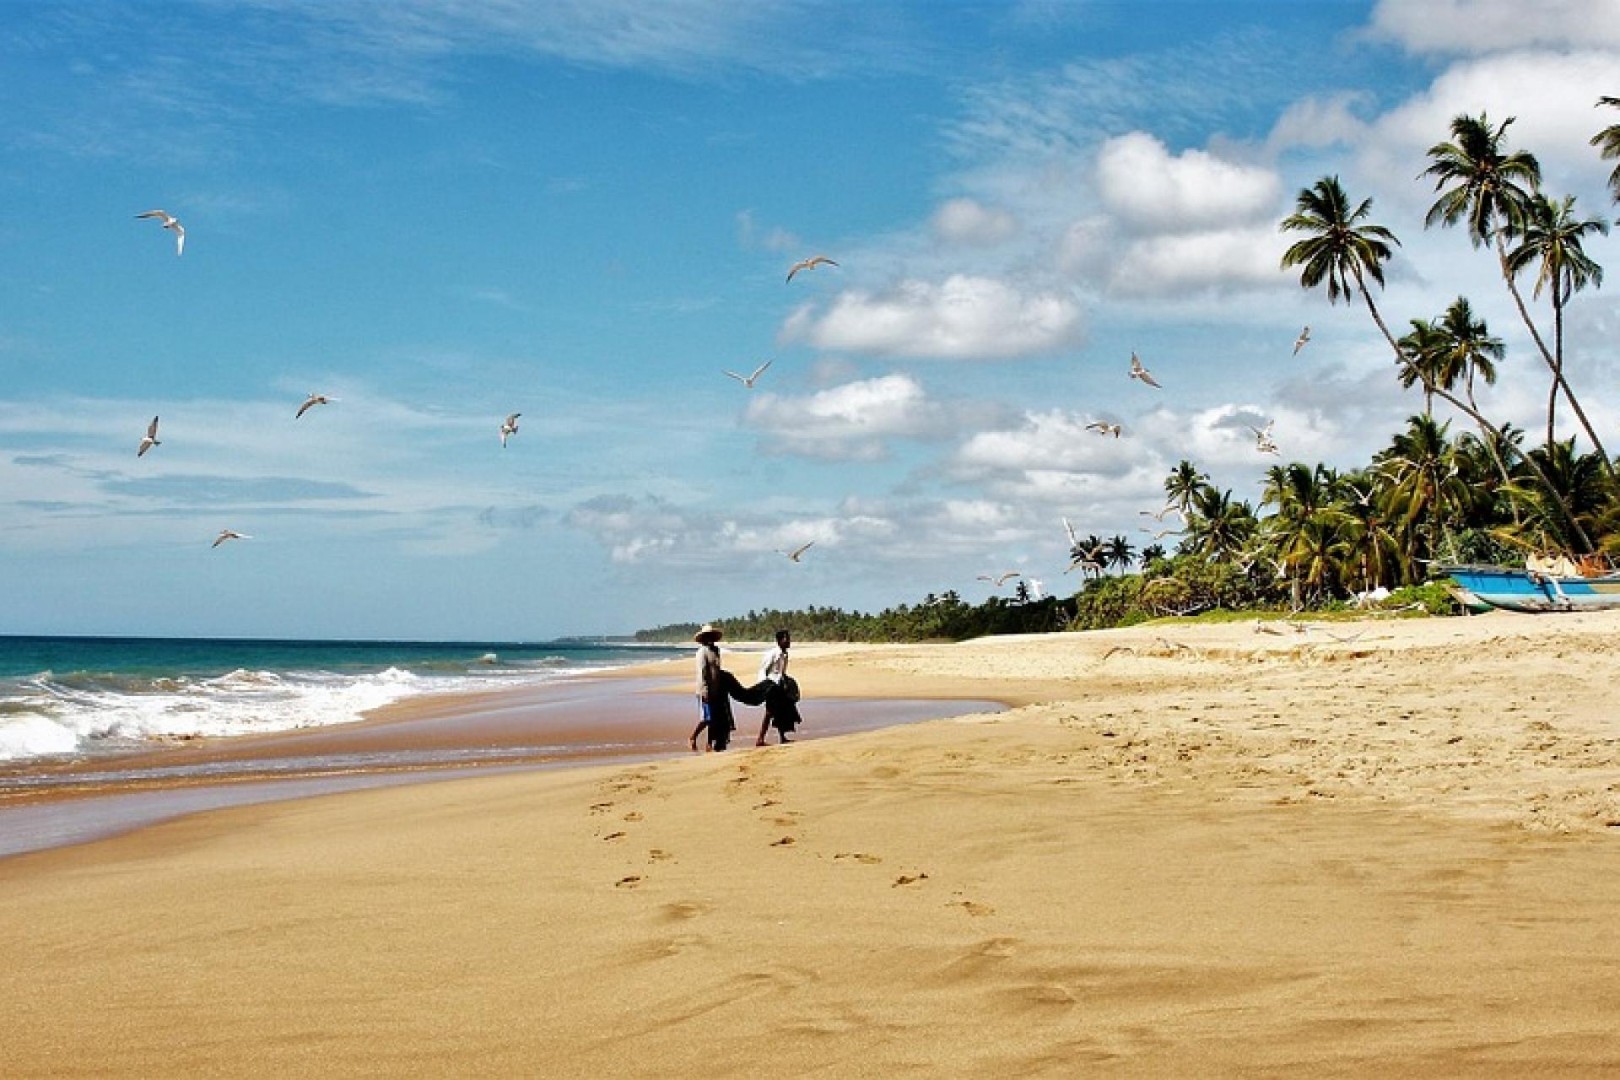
1186	851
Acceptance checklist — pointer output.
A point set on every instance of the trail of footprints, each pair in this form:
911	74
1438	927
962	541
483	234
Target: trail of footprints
766	795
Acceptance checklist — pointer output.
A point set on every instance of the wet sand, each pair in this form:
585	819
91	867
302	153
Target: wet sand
1375	849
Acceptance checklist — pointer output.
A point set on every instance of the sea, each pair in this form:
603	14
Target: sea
79	696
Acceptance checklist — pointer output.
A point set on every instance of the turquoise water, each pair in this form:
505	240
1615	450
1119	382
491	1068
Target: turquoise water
64	696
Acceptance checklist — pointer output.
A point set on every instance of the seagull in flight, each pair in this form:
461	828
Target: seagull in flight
509	428
1299	342
312	401
229	534
1142	373
172	223
749	380
1263	441
1000	579
796	552
1102	428
150	440
810	264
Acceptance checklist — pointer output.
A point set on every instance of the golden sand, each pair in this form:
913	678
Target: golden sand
1381	848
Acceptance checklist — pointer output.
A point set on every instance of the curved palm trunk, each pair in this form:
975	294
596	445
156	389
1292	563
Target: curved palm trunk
1553	359
1474	414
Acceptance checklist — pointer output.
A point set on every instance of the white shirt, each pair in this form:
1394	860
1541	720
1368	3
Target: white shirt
775	665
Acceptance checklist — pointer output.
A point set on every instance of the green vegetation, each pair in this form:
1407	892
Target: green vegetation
1321	536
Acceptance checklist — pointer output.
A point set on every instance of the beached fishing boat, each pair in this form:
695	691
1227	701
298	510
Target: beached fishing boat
1524	589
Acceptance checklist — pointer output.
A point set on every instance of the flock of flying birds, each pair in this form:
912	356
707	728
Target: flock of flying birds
1089	559
1080	558
508	427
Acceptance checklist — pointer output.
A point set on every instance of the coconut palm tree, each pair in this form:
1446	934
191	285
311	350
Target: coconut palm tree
1218	527
1550	239
1425	486
1183	485
1608	143
1494	191
1425	348
1119	553
1340	250
1480	182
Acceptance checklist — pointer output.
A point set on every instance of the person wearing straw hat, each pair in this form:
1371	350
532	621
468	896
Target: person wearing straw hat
717	723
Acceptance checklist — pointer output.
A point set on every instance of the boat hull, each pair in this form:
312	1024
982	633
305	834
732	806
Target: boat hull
1532	591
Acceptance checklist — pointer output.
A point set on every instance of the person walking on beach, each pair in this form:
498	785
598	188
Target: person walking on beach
716	724
781	695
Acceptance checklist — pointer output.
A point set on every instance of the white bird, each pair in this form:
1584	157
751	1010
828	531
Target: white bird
1102	428
1299	342
312	401
1002	578
151	438
171	223
229	534
810	264
1142	373
509	428
749	380
1263	441
796	552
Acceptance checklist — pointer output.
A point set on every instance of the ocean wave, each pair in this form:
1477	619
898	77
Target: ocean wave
47	716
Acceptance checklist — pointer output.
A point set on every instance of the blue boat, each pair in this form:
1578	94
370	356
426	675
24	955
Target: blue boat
1523	589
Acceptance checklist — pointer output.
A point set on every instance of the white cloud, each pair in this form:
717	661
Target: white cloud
1550	95
1472	26
1155	191
847	422
962	318
970	222
1227	257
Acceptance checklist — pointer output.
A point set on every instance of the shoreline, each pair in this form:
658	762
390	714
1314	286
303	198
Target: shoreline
592	718
1309	849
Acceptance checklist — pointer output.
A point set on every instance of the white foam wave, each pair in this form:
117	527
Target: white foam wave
48	718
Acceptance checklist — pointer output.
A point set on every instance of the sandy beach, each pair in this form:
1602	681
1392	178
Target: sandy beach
1370	848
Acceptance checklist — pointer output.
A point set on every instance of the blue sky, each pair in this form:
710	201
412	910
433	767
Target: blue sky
438	213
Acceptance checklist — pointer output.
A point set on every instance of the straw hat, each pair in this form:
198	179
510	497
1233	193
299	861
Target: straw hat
709	633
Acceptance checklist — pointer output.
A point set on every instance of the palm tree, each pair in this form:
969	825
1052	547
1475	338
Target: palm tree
1218	527
1183	485
1495	192
1426	489
1341	249
1608	143
1119	553
1550	238
1425	349
1488	187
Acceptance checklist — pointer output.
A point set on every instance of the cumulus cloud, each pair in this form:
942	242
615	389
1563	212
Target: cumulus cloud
641	530
962	318
1156	191
1551	95
847	422
1219	258
1474	26
970	222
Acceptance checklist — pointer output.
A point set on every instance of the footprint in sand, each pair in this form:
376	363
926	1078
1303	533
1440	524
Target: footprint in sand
786	841
634	815
858	856
682	910
974	908
659	855
910	879
628	882
614	836
601	807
